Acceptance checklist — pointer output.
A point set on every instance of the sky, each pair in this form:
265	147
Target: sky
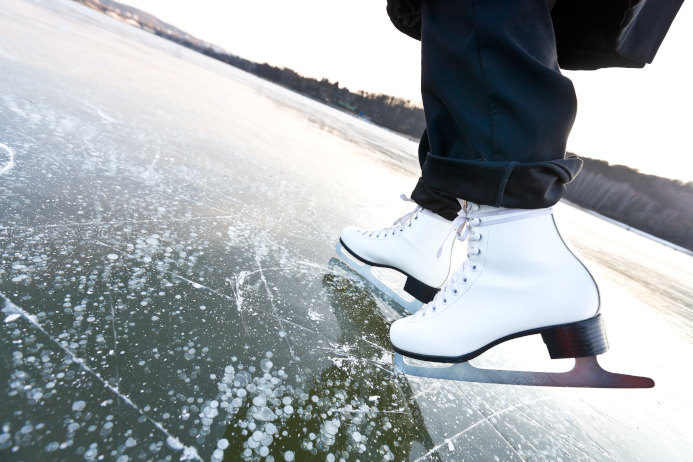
635	117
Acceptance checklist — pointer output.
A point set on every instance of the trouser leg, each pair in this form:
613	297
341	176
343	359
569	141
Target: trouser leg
498	111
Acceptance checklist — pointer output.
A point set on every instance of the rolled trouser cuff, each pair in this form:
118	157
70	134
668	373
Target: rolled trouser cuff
525	185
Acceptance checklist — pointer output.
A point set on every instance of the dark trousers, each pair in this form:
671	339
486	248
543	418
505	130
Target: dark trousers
498	111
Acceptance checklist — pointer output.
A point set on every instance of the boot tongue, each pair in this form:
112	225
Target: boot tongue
472	214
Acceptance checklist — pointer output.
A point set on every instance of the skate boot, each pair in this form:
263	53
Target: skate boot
412	246
519	279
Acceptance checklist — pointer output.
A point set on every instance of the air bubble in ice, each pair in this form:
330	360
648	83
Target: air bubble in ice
78	405
266	365
223	444
266	440
52	447
330	428
12	317
242	379
264	413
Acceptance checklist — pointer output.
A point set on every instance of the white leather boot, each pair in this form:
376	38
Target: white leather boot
412	246
519	279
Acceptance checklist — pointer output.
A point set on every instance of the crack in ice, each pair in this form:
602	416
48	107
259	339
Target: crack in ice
68	224
98	110
189	452
156	158
195	284
485	419
115	338
277	317
565	438
495	429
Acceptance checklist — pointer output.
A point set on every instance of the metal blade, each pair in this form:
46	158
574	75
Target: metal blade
365	272
586	373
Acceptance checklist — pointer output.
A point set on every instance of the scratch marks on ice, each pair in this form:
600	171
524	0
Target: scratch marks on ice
485	419
6	158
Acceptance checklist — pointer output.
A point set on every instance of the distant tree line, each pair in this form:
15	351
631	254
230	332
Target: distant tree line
658	206
384	110
655	205
387	111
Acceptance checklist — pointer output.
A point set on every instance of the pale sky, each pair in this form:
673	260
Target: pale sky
637	117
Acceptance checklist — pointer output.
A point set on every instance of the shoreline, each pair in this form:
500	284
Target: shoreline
629	228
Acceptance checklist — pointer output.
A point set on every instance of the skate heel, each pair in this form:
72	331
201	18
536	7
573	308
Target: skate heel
419	290
577	339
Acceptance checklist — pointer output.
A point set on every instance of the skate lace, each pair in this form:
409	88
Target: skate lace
399	223
468	218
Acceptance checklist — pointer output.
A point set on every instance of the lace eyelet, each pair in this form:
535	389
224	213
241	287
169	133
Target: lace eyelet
474	268
464	280
445	301
454	291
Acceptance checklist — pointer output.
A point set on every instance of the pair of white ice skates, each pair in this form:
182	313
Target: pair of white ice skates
518	278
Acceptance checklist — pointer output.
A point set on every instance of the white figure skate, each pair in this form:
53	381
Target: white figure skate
519	279
412	246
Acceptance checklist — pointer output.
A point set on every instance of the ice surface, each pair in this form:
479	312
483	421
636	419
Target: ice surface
167	291
6	158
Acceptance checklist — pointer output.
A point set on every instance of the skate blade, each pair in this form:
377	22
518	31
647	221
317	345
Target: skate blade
586	373
365	272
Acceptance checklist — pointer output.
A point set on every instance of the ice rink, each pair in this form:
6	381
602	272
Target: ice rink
169	289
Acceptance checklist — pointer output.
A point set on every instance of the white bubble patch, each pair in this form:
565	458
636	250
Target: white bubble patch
189	452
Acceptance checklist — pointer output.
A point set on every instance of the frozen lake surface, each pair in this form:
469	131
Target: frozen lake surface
168	287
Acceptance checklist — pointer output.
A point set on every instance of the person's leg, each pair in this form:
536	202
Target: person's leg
498	111
498	114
